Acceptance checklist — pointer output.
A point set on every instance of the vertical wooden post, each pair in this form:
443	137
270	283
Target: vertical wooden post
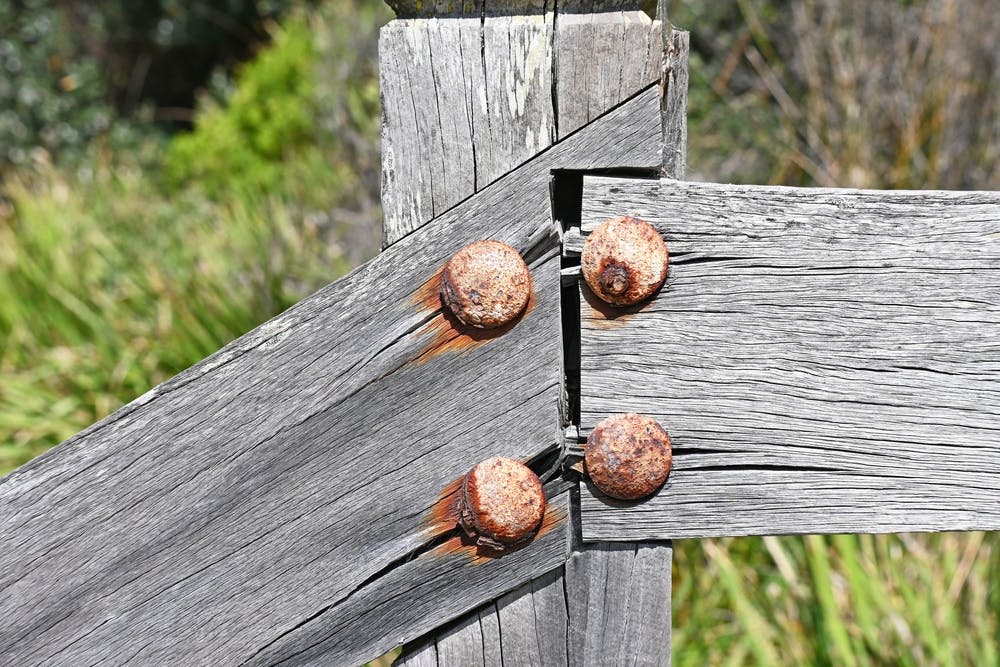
466	97
470	91
619	601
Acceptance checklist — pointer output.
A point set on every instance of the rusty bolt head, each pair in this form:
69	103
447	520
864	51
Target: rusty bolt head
502	504
624	261
628	456
486	284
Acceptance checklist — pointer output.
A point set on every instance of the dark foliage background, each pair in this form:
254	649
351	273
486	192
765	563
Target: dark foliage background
74	69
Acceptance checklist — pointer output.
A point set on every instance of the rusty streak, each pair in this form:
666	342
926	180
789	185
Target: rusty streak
446	333
460	545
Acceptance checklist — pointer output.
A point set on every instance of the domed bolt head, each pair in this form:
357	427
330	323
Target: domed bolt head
502	504
624	261
628	456
486	284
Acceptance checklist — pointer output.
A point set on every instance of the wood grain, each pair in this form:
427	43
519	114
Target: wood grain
431	80
619	604
276	491
612	41
611	602
674	103
464	101
525	627
422	594
515	117
452	8
601	58
825	360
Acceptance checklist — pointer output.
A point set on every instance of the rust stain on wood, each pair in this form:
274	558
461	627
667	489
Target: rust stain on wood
443	515
428	295
446	333
462	546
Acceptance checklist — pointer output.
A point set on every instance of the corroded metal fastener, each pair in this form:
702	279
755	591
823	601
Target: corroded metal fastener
486	284
628	456
502	504
624	261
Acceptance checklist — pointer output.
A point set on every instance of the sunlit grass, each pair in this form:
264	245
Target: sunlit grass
838	600
111	282
108	288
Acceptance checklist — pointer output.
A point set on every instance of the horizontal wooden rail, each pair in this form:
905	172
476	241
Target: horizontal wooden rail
825	360
283	501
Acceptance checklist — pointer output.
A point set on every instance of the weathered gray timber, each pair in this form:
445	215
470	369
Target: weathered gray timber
600	59
464	101
619	604
427	71
453	8
825	360
525	627
674	103
612	601
261	506
469	8
614	41
467	99
421	595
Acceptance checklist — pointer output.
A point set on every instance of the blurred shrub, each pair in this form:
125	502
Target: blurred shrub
879	94
302	120
267	117
70	71
163	51
51	96
109	284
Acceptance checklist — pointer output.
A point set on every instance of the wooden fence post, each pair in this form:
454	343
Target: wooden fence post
454	118
471	90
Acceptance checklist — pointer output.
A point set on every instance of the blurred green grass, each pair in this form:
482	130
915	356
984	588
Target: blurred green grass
107	289
118	275
837	600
